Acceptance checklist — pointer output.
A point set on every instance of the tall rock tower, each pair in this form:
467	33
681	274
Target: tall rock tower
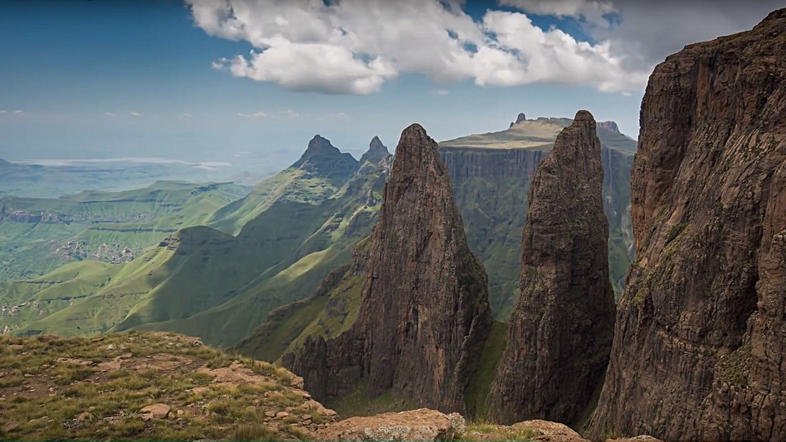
561	330
424	314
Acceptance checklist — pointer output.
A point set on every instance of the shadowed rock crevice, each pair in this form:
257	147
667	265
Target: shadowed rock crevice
560	332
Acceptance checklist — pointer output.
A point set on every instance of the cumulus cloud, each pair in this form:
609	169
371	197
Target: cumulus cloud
355	46
254	115
643	32
592	11
289	113
110	114
135	114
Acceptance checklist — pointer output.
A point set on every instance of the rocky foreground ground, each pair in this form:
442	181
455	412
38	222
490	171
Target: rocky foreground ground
166	386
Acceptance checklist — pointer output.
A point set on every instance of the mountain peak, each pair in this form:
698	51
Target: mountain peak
324	159
320	145
376	151
521	117
610	125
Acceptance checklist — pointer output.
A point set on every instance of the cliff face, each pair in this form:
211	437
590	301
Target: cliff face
490	187
560	332
699	340
424	311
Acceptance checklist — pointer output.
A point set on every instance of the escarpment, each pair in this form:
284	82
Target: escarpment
424	312
699	341
560	332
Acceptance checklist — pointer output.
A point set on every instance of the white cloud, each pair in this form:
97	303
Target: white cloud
289	113
254	115
343	116
592	11
440	92
135	114
3	111
110	114
186	115
643	33
355	46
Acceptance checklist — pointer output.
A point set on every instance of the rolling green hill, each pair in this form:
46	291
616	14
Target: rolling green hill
292	230
39	234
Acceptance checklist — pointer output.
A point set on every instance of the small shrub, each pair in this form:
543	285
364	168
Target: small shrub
69	375
201	378
11	381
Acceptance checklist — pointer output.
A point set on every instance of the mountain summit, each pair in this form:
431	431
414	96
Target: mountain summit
376	151
326	160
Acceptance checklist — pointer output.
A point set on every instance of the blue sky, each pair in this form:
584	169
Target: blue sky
98	79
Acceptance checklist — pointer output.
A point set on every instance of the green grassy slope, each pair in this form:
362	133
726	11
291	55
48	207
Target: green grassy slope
208	283
340	223
39	234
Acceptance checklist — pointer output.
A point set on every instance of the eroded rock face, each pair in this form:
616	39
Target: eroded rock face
424	313
699	340
560	332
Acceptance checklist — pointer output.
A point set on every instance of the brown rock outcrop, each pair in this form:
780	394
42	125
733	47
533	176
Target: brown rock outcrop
700	336
560	332
424	313
422	424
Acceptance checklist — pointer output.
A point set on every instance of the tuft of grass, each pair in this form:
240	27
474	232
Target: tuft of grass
253	432
484	430
69	374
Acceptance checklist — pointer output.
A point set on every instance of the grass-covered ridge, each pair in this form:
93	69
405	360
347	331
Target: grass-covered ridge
99	388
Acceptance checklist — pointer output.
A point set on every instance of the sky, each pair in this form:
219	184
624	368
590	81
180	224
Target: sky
232	80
